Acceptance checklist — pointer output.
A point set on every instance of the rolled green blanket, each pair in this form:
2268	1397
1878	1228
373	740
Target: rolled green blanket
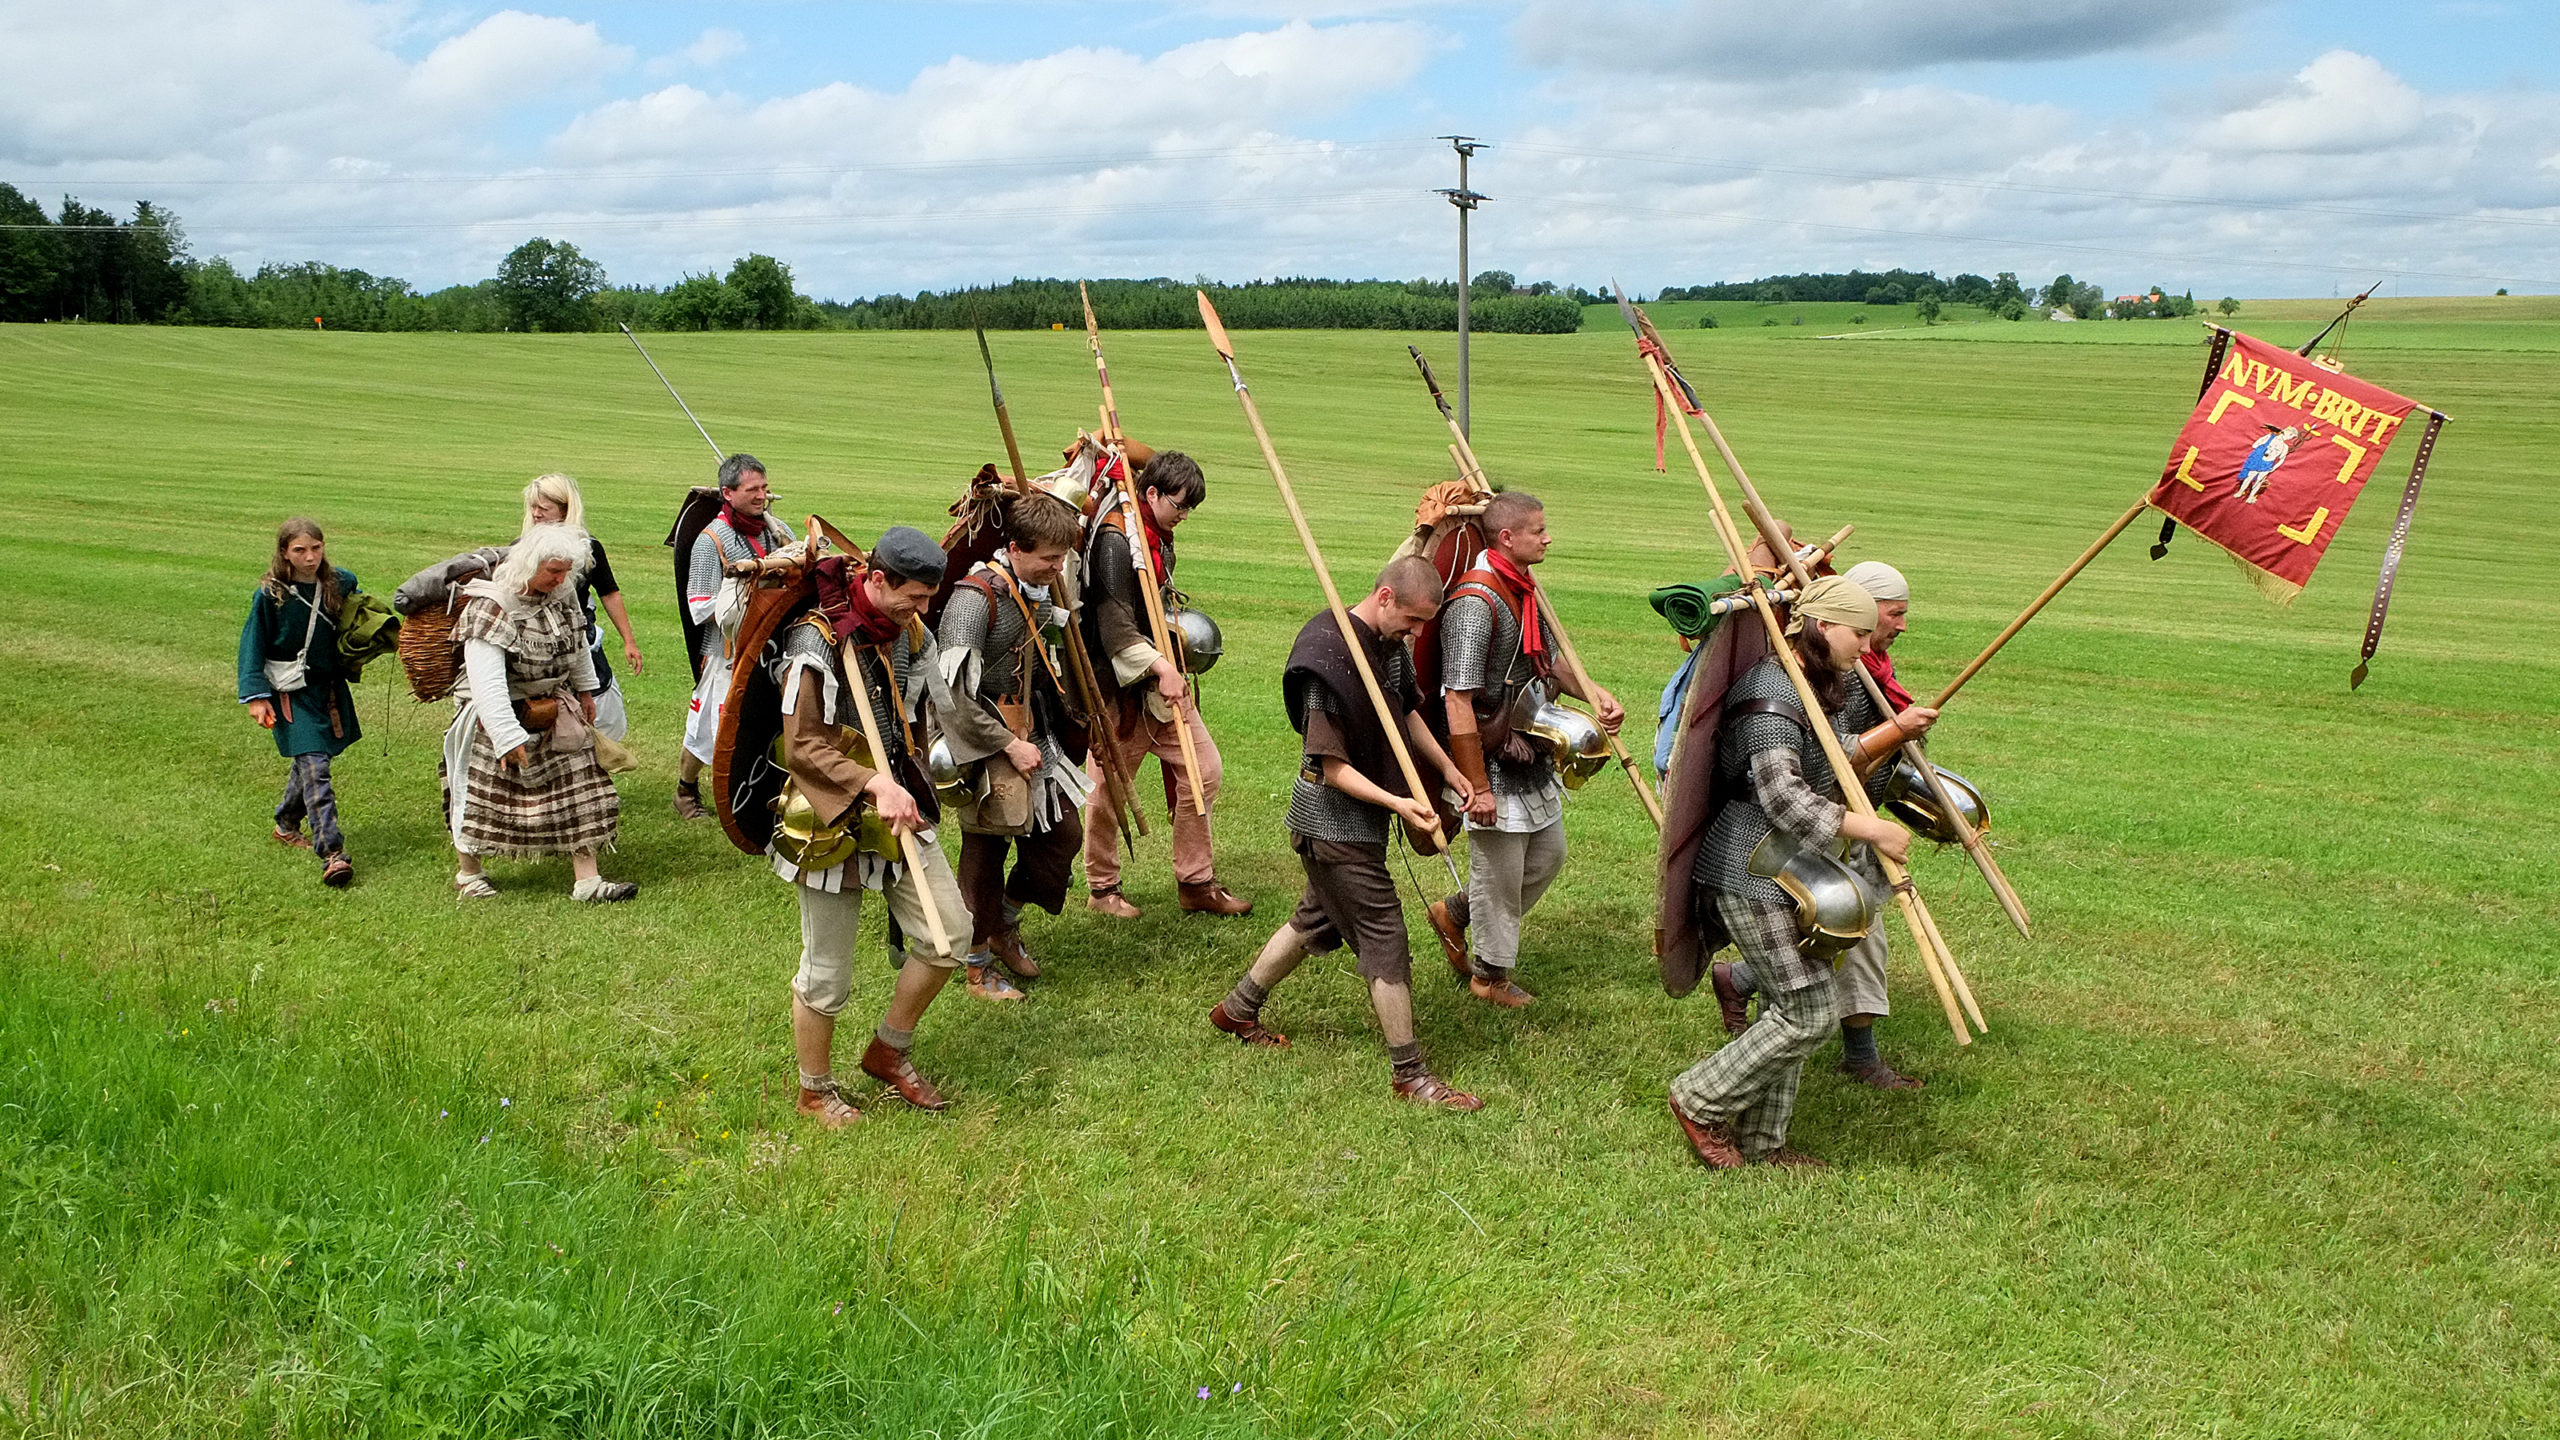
1686	605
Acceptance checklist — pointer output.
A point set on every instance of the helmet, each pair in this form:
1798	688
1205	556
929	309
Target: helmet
1914	801
1574	739
1198	636
943	770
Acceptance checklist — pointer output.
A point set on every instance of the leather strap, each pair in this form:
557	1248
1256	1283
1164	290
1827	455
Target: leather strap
2391	553
2212	367
1783	709
1467	750
1875	745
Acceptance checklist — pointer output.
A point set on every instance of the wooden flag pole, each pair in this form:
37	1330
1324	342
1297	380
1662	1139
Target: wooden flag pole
1853	792
1150	585
2065	578
1324	576
1473	470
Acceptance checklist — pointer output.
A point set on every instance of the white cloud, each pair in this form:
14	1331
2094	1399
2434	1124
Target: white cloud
708	50
513	57
1737	39
2339	103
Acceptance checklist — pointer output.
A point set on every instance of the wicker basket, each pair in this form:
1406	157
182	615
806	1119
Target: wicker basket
429	655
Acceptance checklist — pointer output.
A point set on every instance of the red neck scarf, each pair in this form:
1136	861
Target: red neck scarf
848	609
751	531
1159	545
1881	667
1533	637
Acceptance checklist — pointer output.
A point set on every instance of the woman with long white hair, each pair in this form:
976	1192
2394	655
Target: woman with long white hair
520	770
553	500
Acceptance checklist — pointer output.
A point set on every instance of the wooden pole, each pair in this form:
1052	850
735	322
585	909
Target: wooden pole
870	718
1324	576
1150	585
2065	578
1974	847
1851	791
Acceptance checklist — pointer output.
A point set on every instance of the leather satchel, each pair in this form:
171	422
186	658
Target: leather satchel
538	712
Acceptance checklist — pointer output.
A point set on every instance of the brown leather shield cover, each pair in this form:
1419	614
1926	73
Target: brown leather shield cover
701	505
1685	935
744	777
976	535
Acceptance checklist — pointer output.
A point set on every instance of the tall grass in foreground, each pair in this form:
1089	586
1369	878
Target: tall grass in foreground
230	1223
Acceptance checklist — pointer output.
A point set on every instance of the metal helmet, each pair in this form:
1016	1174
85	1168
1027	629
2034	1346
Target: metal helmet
1834	904
1198	636
944	771
1574	738
1912	800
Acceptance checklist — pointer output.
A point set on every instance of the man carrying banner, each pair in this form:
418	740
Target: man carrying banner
1495	670
1783	818
1007	729
844	807
743	530
1150	694
1860	976
1347	789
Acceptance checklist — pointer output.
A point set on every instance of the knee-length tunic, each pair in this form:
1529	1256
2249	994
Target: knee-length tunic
277	626
561	800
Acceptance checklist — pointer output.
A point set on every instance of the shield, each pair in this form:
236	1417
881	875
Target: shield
746	775
1685	934
701	503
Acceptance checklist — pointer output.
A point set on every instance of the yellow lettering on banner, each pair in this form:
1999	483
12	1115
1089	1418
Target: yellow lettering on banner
2187	471
2235	369
2355	457
2310	528
2383	428
2295	392
2225	401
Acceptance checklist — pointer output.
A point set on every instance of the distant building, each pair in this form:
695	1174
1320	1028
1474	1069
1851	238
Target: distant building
2060	314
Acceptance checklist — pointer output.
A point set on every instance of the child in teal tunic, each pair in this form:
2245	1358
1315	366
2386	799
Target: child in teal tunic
293	619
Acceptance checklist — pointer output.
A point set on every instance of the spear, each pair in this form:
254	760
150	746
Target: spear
1150	586
716	452
1767	524
1324	577
1473	470
1080	664
1678	398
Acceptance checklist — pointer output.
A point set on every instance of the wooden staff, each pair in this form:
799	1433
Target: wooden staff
2001	890
1324	577
1851	791
1115	786
871	733
2065	578
1473	470
1150	586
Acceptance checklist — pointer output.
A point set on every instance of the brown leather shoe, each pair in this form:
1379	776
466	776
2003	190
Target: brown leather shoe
1251	1032
1714	1143
1111	902
689	802
1007	948
1792	1159
1500	992
1211	898
986	982
890	1068
828	1107
1881	1076
1429	1089
1737	1010
1453	939
292	838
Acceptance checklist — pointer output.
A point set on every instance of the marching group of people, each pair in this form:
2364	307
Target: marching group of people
1024	708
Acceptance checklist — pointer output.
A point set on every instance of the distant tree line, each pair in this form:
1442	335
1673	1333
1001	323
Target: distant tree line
85	264
2001	294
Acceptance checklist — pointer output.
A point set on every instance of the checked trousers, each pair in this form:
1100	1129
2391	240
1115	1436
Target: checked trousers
1751	1083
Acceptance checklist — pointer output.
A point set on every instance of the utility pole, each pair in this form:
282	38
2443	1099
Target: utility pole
1465	200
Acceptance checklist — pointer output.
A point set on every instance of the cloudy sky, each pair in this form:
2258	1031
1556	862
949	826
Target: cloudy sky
2256	147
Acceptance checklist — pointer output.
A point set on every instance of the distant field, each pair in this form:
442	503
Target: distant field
2262	1141
2504	322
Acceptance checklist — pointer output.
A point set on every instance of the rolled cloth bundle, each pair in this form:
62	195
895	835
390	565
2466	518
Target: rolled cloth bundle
1835	598
1689	607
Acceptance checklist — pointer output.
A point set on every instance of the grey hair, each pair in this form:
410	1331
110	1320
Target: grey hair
538	547
735	468
560	490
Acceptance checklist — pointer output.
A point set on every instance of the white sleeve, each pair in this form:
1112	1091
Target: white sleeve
484	667
582	671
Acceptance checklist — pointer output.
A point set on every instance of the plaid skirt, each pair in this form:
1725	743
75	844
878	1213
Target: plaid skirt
557	804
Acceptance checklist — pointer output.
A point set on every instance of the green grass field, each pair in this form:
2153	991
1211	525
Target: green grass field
2261	1142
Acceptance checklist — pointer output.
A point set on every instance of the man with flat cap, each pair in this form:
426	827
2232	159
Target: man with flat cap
1861	974
844	808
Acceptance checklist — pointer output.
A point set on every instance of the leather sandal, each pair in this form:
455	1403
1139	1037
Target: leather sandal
986	982
1211	898
890	1067
1112	903
1453	939
1714	1143
828	1107
1881	1076
1732	1002
1251	1032
1500	992
1429	1089
474	887
1007	948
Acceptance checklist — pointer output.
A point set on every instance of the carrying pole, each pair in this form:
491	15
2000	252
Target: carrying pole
869	715
1853	792
1115	786
1150	585
1472	470
1324	577
2069	573
717	454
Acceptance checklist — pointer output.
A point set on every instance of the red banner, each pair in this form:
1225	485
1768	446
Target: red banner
2273	458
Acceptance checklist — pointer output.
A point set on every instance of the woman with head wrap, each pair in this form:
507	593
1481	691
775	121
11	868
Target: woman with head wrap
1735	1105
520	770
